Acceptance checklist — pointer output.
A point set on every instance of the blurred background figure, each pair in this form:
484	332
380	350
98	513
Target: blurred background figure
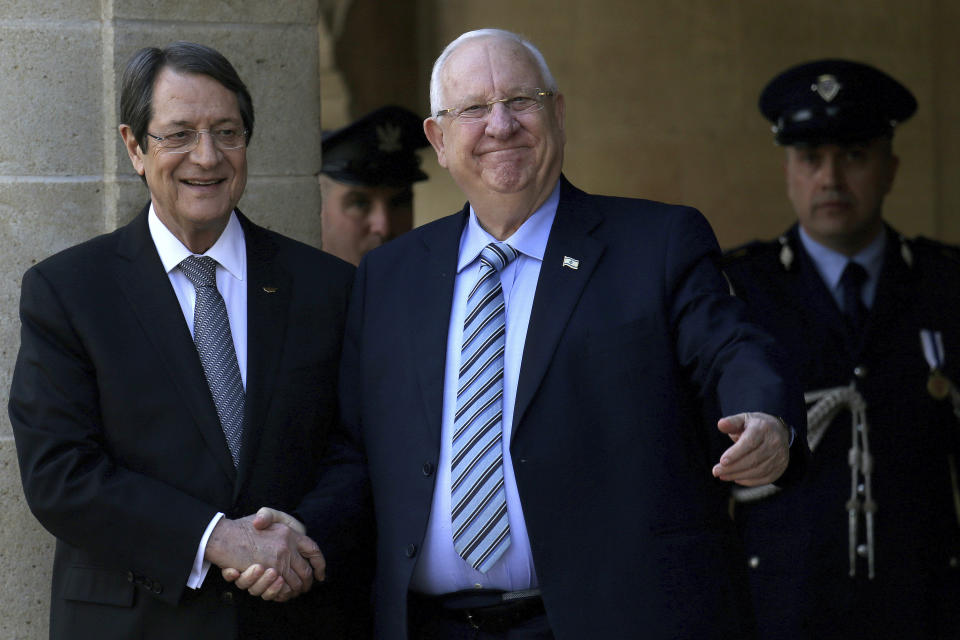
871	319
366	181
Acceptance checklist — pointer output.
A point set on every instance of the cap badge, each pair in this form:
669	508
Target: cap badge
388	137
827	87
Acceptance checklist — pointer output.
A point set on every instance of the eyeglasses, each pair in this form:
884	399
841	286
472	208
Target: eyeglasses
471	112
186	140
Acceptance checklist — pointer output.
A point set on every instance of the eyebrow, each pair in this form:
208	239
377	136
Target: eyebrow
188	124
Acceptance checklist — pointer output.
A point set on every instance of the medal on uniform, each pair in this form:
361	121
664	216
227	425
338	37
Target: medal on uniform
938	385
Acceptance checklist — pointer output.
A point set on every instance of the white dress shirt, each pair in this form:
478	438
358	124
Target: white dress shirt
230	252
440	569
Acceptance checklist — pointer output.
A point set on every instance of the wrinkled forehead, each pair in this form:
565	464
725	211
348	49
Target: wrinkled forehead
489	68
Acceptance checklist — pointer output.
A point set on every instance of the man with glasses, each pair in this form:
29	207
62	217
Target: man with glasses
873	320
524	388
173	376
366	180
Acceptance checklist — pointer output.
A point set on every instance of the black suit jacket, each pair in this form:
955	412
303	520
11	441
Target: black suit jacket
611	447
122	455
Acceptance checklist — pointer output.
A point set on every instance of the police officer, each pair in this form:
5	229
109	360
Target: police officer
366	181
873	322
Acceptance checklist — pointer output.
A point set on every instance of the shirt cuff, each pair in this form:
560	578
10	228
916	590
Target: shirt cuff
200	566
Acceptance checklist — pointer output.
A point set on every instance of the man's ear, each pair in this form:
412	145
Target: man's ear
133	148
434	133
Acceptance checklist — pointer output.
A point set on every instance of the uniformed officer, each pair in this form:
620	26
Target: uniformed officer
366	181
873	323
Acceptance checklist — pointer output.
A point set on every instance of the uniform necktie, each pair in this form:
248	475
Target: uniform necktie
211	333
851	285
481	529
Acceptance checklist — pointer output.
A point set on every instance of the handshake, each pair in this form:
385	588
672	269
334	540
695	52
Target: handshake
266	554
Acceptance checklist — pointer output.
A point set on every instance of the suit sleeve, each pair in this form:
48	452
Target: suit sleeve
732	360
73	483
338	512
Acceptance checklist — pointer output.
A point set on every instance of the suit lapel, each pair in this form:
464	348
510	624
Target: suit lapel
558	289
142	279
429	312
269	290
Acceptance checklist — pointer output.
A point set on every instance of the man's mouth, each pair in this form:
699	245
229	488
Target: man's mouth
202	183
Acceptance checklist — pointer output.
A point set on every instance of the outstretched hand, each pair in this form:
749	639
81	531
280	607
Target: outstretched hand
761	450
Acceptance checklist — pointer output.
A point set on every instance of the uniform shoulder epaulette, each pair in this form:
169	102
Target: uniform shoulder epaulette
750	250
936	249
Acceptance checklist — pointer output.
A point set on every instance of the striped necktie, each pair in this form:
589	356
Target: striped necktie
211	333
481	529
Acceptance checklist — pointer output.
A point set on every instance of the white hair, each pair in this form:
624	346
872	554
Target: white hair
436	88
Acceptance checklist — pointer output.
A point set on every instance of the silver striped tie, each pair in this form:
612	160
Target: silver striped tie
211	333
481	529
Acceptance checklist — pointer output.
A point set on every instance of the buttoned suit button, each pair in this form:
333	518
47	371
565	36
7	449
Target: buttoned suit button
427	469
860	371
157	588
754	562
411	550
226	597
862	550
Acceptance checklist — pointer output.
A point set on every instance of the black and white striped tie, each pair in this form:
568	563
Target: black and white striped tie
481	529
211	333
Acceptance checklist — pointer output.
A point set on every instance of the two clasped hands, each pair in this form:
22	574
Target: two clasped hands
279	561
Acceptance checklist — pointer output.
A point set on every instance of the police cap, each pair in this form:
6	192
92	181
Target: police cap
837	101
378	149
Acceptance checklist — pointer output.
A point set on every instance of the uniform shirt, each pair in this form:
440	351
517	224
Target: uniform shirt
440	568
230	252
830	265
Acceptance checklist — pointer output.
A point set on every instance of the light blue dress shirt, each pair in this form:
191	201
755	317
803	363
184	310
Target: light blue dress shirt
439	568
830	265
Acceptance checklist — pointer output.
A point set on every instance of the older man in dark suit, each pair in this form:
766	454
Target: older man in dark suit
524	386
173	376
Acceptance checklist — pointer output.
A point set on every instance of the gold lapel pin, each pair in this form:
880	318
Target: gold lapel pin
269	289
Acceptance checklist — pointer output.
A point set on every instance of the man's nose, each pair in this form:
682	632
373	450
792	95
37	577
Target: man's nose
831	171
378	220
206	153
501	122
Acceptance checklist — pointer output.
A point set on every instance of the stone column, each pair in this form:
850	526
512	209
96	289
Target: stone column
65	177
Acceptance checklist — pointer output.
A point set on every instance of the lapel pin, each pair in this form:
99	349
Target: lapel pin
572	263
269	289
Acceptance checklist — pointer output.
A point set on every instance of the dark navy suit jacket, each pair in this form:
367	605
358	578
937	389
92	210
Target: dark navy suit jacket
611	449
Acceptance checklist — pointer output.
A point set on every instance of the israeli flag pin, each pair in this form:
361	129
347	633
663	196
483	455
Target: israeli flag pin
572	263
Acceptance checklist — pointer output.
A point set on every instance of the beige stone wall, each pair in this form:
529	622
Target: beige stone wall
661	97
64	176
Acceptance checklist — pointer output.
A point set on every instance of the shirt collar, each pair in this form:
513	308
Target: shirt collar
229	250
831	264
530	239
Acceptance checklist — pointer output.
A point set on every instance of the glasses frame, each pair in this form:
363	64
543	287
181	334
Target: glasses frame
537	93
196	141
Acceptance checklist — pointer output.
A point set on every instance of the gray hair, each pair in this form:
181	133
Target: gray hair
436	90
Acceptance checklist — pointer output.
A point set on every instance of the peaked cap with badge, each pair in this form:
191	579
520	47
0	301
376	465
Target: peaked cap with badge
834	100
378	149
